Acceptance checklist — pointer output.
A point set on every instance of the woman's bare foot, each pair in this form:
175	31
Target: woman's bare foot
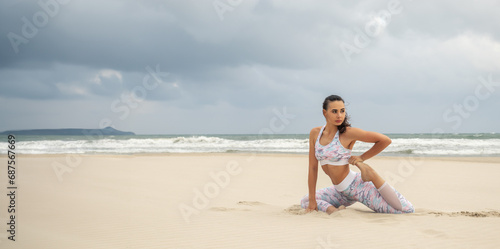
332	209
368	174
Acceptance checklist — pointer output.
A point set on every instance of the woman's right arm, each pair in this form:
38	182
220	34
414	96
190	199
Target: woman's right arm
313	171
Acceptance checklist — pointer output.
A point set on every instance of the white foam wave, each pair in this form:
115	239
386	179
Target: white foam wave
193	144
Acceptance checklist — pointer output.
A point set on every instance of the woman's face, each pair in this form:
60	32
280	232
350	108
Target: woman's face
335	113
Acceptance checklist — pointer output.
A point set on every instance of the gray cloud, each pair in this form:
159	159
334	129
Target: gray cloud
90	55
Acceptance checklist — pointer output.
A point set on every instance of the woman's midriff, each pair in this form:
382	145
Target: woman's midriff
336	173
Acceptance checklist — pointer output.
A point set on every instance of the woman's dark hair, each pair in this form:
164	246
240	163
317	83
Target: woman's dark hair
342	127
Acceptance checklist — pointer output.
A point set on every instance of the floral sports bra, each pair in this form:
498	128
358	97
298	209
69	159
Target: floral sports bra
333	153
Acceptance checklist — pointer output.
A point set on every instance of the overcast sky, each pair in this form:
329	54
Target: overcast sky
249	66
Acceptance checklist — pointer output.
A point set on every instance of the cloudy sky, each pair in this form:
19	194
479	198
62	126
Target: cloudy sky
248	66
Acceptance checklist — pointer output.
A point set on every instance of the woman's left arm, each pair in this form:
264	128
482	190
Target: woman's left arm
380	141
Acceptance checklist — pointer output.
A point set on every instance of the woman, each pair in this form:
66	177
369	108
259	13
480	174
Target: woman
331	146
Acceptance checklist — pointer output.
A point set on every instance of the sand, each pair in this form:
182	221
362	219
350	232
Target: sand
241	201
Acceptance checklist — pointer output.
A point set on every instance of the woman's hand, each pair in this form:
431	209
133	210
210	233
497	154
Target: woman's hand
380	141
313	206
355	159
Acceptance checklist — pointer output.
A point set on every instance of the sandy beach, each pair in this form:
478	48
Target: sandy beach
241	201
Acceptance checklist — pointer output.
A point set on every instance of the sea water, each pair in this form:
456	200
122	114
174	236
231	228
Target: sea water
479	144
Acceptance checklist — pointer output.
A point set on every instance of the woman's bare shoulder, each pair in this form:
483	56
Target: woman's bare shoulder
353	131
315	131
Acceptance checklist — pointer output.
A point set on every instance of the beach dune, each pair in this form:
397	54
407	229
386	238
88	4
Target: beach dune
241	201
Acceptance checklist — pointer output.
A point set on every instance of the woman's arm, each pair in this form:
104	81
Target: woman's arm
313	171
380	141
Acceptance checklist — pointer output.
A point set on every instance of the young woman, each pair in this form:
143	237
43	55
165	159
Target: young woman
331	146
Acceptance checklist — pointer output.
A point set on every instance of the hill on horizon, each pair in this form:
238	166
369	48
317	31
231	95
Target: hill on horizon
68	132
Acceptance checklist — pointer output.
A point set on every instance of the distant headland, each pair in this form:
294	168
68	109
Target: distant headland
108	131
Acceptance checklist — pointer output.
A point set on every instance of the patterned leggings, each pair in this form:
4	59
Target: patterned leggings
364	192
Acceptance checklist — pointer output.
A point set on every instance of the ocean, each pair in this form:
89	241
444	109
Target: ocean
480	144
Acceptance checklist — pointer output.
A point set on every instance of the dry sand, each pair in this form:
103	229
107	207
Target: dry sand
241	201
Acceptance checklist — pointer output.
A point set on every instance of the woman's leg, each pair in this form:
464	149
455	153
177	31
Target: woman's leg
371	190
328	200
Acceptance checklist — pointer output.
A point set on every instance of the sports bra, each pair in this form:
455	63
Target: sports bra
333	153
